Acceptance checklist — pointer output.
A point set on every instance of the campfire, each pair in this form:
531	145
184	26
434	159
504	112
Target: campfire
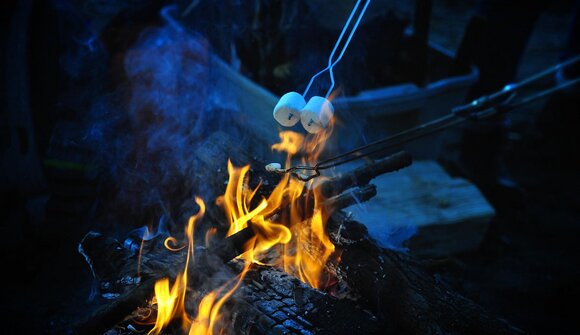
278	226
284	230
273	254
289	234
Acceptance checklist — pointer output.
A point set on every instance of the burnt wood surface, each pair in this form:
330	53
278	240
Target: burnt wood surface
363	175
399	289
269	302
405	298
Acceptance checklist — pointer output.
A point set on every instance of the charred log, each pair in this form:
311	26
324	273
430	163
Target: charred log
398	289
107	316
348	199
363	175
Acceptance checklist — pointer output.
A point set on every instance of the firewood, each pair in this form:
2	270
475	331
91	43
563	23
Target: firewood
112	257
398	289
107	316
363	175
391	284
233	244
228	249
350	198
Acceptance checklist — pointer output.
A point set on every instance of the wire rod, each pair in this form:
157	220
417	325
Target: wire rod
498	102
331	70
332	63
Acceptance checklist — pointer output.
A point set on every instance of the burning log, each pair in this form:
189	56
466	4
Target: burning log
232	246
285	303
106	317
363	175
159	264
407	299
98	249
413	301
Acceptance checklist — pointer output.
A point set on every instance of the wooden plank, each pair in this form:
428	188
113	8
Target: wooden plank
444	215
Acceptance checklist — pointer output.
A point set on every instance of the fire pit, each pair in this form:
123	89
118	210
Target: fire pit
272	254
284	257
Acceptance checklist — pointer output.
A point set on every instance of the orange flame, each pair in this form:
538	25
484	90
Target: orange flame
208	315
171	302
293	215
291	142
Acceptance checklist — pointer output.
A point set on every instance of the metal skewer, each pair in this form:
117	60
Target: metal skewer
501	101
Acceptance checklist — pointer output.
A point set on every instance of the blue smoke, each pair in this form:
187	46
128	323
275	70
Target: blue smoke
144	127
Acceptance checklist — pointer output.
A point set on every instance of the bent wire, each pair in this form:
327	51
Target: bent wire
332	63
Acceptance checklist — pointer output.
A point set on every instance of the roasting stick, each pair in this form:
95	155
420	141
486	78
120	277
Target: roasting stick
316	114
499	102
336	192
332	63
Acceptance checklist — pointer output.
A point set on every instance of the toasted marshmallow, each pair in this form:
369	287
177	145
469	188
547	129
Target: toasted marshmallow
316	115
275	167
287	110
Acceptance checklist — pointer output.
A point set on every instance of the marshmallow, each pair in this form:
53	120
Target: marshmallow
287	110
275	167
316	114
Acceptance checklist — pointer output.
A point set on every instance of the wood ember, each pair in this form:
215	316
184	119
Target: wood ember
287	305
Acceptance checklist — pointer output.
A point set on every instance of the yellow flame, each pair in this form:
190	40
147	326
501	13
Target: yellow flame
169	242
291	142
208	314
168	302
171	302
209	235
293	215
